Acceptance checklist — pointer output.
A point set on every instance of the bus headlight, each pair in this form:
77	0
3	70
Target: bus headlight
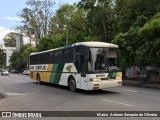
94	80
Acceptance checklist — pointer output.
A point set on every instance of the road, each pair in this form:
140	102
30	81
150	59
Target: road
23	94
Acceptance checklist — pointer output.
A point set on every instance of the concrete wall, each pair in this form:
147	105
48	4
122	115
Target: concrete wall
148	72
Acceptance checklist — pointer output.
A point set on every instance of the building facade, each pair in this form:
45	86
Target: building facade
9	51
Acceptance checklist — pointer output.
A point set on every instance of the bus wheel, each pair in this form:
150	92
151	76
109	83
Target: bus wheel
38	79
72	84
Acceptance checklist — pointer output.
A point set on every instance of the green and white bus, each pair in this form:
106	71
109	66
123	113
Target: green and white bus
83	65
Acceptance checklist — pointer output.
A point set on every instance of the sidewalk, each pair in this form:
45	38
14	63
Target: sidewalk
139	84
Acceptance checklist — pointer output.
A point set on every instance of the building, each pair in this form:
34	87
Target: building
9	51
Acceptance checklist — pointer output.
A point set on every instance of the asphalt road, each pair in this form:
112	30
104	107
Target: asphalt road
23	94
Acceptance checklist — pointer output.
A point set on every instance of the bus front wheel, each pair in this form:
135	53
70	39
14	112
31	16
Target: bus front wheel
72	84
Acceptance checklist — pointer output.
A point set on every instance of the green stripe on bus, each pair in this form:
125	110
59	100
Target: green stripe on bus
53	72
56	73
59	73
112	75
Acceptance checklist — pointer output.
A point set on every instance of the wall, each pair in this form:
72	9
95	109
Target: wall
151	73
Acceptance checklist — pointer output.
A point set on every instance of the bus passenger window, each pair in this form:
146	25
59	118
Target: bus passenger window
59	57
68	55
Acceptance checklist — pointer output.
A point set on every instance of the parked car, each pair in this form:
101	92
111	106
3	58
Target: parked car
26	72
14	71
4	72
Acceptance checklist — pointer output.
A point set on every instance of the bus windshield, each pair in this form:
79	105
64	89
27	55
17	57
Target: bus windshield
103	59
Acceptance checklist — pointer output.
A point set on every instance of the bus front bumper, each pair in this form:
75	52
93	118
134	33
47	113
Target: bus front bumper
104	84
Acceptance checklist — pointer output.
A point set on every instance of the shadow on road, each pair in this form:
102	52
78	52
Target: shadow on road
79	91
1	96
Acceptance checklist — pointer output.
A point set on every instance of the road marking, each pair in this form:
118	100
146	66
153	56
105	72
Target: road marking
117	102
129	90
8	93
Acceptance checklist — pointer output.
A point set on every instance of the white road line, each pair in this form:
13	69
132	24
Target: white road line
129	90
8	93
117	102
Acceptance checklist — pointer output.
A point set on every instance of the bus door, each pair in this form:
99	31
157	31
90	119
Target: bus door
84	82
81	65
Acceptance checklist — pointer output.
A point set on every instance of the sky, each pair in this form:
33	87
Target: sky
9	10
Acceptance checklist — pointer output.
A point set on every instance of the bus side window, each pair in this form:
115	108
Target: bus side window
50	57
32	60
42	58
53	57
37	59
81	50
59	57
68	55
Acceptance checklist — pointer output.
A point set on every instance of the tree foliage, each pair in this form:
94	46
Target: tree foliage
35	18
10	40
132	24
19	58
69	24
2	57
51	41
139	26
100	20
150	50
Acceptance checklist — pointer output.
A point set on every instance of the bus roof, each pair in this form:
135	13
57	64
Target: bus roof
89	44
34	53
97	44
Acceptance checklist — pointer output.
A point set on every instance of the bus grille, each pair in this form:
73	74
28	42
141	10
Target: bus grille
108	78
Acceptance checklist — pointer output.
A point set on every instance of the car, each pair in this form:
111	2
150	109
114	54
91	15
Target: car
4	72
14	71
26	72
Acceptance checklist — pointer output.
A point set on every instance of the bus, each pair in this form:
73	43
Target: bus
83	65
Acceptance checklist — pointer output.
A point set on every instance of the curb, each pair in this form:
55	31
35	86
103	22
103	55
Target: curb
137	84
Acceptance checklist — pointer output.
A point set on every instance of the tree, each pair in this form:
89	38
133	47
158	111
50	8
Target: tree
131	12
100	19
69	23
2	57
137	35
60	22
51	41
19	58
35	18
10	40
132	24
150	49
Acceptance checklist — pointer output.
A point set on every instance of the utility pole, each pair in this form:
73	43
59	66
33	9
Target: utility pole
67	36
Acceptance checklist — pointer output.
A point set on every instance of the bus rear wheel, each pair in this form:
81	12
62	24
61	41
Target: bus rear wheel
72	84
38	79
